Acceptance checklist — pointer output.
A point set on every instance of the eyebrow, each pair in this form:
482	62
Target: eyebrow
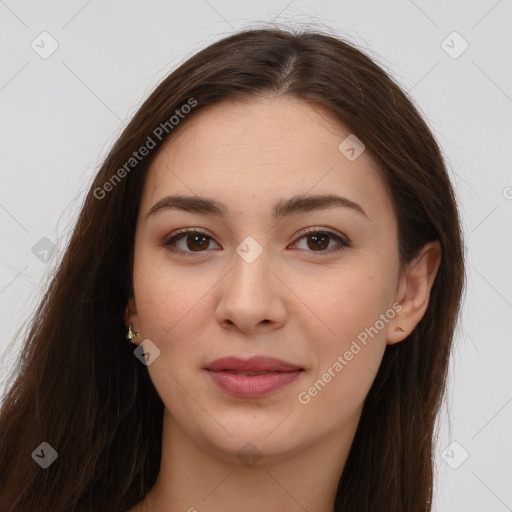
283	207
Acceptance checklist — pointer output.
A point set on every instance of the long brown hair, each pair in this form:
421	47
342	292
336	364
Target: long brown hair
78	386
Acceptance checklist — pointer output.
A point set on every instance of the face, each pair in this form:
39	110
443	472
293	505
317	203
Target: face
314	286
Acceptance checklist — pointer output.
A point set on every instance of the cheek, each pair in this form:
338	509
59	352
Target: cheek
174	310
165	295
345	370
355	300
357	309
360	333
169	309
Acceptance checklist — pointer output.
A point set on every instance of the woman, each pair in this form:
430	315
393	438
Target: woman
276	234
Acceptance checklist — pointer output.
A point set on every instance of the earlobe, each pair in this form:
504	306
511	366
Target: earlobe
414	292
131	318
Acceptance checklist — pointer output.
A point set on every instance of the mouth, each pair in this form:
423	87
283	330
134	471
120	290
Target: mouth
253	378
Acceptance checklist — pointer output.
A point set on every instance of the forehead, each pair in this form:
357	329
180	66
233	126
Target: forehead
254	152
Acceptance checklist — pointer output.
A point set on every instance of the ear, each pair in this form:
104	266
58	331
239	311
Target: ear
414	292
132	318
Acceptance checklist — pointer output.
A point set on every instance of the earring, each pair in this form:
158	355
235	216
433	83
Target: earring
399	329
131	334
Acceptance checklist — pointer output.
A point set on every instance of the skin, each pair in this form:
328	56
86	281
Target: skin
293	302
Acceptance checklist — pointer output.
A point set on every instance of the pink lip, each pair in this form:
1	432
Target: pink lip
224	373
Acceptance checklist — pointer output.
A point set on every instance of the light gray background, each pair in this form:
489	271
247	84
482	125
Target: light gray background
60	115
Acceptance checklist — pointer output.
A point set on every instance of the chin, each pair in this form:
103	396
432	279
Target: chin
265	440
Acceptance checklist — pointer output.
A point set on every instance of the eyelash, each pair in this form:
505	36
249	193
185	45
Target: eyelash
343	242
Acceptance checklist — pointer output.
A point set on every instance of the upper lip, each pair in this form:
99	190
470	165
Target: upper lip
253	364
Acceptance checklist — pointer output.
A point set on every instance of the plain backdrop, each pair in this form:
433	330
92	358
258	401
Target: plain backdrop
61	112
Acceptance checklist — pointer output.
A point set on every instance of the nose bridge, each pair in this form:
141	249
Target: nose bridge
250	294
251	267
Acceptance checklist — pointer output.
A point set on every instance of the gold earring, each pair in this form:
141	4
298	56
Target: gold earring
131	333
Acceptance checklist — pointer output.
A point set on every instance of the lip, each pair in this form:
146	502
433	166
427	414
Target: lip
253	364
227	373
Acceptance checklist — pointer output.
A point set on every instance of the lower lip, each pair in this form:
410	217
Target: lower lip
252	386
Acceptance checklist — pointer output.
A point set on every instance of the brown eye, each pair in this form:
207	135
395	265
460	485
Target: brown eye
195	241
319	240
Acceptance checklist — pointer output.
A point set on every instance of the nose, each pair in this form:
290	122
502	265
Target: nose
252	297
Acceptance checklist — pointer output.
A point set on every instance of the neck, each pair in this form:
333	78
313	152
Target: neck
194	476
